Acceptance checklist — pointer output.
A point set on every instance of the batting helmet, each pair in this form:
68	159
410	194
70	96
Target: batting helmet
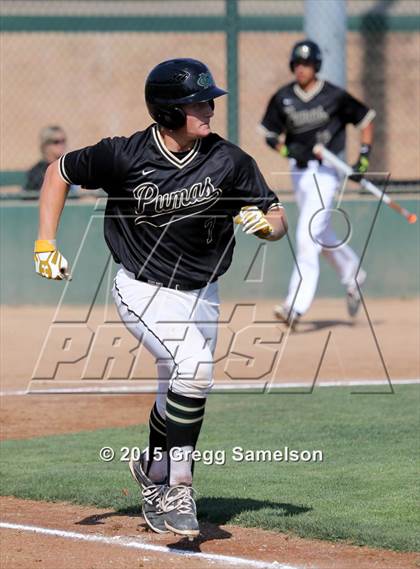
178	82
307	51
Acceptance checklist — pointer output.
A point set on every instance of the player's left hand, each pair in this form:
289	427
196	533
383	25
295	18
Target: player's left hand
253	222
49	262
362	165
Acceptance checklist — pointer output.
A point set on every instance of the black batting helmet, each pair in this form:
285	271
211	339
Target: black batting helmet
307	51
178	82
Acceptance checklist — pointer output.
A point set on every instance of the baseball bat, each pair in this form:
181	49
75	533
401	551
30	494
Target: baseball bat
343	168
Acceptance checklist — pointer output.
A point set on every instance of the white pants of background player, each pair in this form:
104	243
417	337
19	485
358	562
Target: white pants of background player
178	328
314	230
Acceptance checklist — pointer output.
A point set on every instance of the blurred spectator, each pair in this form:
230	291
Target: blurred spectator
53	143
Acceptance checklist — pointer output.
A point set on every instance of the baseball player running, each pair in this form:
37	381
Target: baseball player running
299	115
173	191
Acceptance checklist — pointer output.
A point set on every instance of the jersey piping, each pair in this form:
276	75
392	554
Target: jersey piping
368	118
264	131
306	96
62	170
172	158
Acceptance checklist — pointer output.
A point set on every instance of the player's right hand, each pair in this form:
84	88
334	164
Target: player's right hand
362	164
49	262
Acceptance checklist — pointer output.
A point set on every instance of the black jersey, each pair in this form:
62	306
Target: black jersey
319	115
169	216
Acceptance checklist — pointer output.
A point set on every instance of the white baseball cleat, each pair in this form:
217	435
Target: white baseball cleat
287	315
353	297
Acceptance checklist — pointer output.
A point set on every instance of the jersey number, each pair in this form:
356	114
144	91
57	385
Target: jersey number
209	225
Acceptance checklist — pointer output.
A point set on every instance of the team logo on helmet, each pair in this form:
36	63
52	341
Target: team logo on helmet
205	80
303	51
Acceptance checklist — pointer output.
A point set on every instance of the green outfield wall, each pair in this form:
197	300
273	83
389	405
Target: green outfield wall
390	247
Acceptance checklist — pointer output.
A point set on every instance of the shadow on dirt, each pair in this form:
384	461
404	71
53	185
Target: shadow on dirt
308	326
215	511
211	513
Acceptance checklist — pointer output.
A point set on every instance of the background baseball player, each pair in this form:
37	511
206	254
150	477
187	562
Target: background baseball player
173	190
299	115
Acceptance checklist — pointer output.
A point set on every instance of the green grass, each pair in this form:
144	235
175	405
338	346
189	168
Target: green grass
363	492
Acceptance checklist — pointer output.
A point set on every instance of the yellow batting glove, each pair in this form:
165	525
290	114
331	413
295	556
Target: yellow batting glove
49	262
253	222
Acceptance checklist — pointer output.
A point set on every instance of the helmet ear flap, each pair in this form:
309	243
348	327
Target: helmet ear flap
171	118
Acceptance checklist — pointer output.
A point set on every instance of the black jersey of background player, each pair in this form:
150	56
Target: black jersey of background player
169	217
319	115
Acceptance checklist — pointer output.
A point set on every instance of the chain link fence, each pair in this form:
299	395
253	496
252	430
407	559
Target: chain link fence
82	65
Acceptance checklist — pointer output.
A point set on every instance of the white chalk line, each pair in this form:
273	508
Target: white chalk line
133	543
259	387
6	392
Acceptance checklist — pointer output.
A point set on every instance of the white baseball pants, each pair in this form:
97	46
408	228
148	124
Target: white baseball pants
314	235
178	328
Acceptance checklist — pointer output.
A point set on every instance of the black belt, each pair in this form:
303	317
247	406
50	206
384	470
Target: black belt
177	286
302	164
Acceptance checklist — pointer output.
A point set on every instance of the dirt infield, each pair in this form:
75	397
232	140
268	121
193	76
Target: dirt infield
352	353
26	550
247	331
